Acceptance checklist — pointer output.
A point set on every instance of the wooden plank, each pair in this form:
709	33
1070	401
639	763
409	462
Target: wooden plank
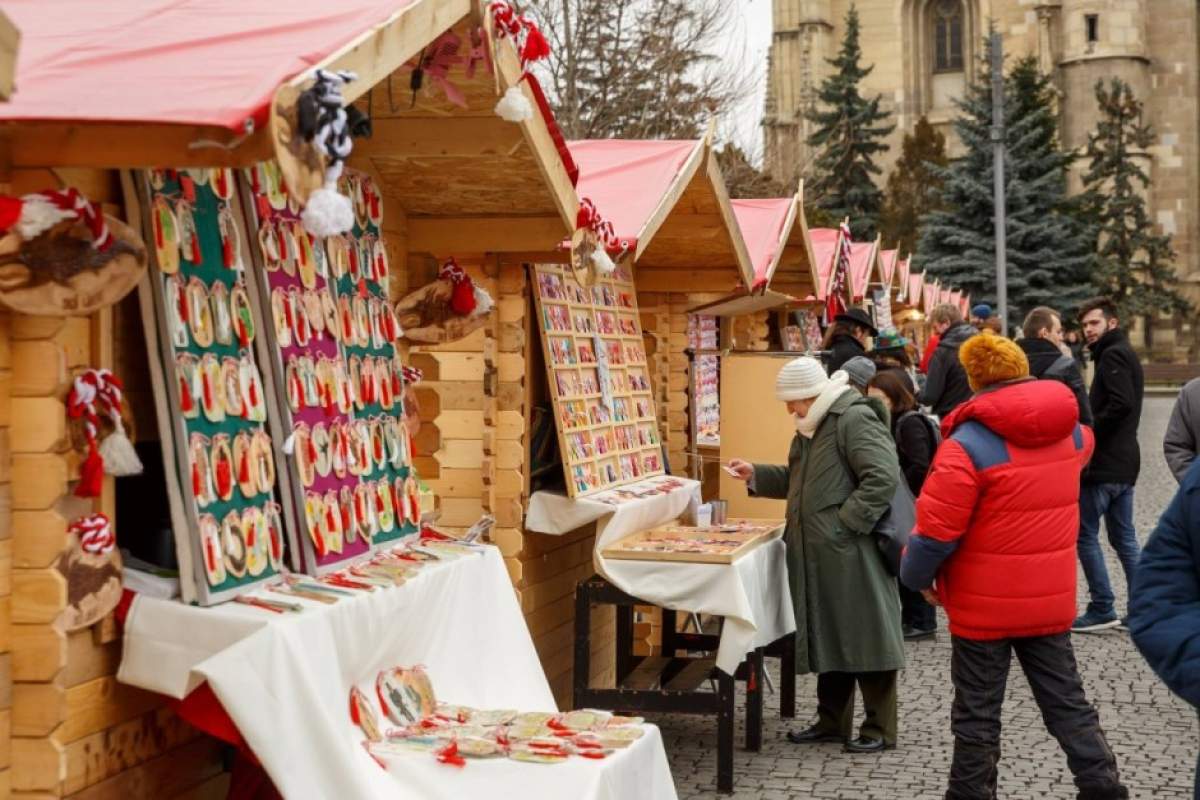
75	340
39	652
39	369
460	454
495	234
471	343
111	751
460	423
38	595
38	708
411	137
6	560
510	366
87	660
454	395
43	425
102	703
646	674
10	39
510	424
214	788
38	537
166	776
691	676
6	623
37	765
39	480
6	682
25	327
5	745
511	308
460	511
509	540
508	482
459	366
458	483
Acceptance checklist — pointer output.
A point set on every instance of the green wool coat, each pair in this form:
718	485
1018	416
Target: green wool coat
847	604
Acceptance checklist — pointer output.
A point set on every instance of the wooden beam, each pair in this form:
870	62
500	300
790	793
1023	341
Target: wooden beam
10	38
660	280
434	137
440	235
130	145
378	52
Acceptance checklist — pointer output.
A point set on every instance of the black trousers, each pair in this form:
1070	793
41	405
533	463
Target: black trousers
835	704
916	611
979	670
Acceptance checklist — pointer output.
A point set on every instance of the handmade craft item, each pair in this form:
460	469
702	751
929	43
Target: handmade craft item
91	568
446	310
60	256
96	401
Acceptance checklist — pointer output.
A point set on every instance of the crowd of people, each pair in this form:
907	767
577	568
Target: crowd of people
1012	461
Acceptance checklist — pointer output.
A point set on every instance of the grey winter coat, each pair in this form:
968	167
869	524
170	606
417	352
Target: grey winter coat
1182	440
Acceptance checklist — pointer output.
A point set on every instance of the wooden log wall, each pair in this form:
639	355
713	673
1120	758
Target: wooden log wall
473	451
67	728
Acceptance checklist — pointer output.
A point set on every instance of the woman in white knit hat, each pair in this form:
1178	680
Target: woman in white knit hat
840	478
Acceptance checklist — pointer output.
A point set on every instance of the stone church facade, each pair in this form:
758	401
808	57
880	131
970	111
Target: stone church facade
926	51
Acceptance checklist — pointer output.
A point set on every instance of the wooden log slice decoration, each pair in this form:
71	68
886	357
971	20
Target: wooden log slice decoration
425	315
302	165
583	245
93	584
60	274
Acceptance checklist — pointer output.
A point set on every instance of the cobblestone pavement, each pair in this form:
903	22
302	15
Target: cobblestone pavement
1152	732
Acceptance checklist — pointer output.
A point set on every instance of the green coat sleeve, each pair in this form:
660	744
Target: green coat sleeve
871	454
770	481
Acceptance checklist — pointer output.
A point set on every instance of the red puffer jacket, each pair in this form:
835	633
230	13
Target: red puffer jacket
998	516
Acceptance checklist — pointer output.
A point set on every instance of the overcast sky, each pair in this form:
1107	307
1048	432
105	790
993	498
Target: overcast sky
750	38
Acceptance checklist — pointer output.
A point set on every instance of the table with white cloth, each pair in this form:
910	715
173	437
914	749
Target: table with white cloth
750	595
285	680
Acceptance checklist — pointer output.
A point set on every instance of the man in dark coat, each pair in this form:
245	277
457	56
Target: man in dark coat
847	338
1164	610
946	385
1043	346
1116	399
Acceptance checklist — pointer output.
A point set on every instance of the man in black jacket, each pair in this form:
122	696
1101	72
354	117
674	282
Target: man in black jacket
1107	490
1043	345
946	386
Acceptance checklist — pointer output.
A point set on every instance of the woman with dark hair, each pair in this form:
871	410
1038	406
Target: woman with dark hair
847	337
916	441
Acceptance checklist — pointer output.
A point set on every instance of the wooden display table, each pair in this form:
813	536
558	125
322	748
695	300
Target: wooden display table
669	683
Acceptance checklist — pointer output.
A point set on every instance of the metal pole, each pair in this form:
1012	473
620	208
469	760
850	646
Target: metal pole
998	168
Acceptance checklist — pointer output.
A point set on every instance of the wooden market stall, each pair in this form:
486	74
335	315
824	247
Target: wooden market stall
455	180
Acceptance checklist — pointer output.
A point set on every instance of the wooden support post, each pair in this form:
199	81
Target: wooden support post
754	701
583	643
725	709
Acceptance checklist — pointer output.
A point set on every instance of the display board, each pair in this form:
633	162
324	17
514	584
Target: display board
704	333
596	366
331	339
209	356
755	427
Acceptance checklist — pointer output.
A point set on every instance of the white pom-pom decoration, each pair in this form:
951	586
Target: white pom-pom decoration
327	213
602	262
39	215
483	302
120	459
514	106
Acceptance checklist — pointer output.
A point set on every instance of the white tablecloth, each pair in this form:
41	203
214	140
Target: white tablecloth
285	680
751	594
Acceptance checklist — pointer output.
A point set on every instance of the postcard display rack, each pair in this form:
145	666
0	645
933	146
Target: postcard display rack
207	347
704	335
599	384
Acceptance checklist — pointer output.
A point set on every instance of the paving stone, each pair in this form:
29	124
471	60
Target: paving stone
1153	733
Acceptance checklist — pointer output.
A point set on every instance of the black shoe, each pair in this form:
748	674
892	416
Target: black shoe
912	633
864	745
814	735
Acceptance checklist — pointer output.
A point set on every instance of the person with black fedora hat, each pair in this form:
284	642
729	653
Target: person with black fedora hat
847	337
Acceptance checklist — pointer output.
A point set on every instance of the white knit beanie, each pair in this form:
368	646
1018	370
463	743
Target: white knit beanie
800	379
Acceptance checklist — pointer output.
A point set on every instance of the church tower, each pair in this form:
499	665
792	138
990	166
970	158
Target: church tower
803	39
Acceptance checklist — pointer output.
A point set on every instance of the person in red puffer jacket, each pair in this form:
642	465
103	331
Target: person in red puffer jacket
997	526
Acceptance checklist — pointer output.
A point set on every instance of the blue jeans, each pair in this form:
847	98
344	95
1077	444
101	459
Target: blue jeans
1113	502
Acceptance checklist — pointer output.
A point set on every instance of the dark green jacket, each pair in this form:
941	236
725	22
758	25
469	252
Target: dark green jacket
847	605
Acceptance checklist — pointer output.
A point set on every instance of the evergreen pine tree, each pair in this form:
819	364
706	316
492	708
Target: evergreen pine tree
848	133
1134	262
1048	244
913	188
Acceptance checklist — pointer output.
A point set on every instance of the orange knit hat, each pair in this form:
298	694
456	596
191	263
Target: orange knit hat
989	359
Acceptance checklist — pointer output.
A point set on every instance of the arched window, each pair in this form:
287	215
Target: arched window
947	36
